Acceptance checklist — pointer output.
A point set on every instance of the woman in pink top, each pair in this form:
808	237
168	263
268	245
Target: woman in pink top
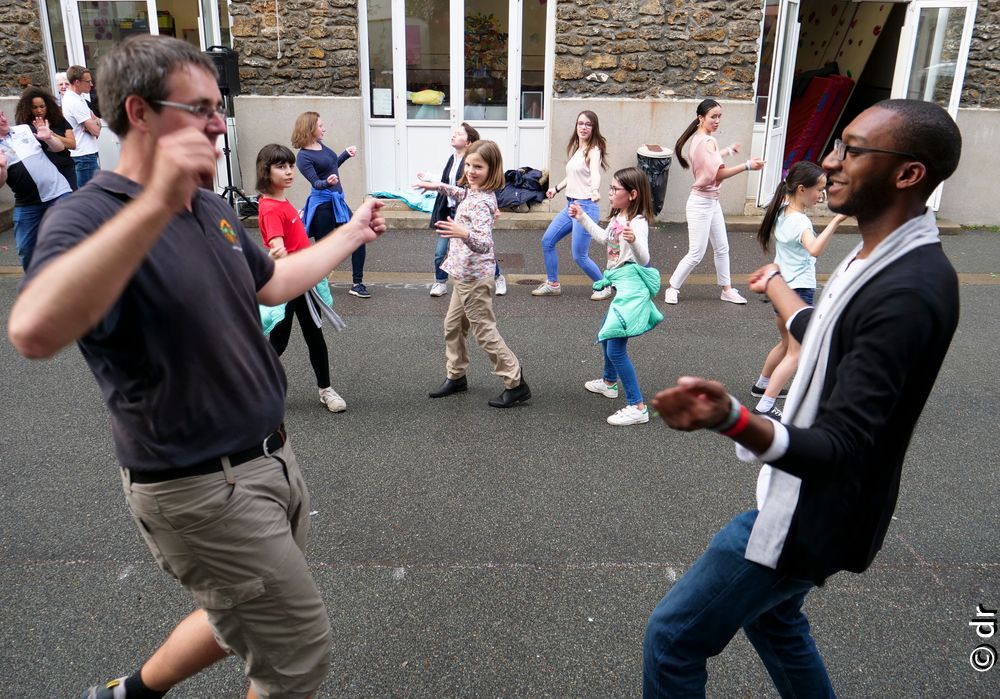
704	212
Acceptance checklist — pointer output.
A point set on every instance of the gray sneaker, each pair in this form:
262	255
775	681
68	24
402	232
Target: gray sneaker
115	689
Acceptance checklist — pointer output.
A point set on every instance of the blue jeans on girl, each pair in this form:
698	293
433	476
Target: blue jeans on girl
560	227
618	367
722	593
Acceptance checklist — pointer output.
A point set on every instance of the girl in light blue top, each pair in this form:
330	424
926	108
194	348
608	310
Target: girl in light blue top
796	248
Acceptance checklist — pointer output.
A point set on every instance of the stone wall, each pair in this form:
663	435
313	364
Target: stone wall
982	74
22	55
657	48
318	42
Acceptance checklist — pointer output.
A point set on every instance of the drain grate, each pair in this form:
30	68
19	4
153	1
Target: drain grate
529	282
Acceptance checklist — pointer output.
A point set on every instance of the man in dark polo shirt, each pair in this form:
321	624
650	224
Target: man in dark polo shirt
170	328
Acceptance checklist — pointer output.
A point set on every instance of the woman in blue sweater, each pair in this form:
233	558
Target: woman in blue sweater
326	208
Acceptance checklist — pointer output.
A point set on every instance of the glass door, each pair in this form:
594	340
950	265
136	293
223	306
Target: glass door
933	51
429	65
779	97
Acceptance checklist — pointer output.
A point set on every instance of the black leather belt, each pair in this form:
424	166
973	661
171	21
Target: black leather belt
268	446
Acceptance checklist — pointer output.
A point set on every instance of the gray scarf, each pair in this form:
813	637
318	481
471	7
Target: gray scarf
782	489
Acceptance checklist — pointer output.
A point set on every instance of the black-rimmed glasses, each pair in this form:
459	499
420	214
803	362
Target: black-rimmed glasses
841	149
205	111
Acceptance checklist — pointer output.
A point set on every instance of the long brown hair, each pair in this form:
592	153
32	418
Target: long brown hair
801	174
596	139
23	115
704	108
490	153
271	154
633	180
305	127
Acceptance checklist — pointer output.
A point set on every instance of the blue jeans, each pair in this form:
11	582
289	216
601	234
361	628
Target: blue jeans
618	366
27	218
440	252
560	227
86	166
721	593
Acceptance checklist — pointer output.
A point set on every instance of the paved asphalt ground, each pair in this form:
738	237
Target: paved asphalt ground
470	552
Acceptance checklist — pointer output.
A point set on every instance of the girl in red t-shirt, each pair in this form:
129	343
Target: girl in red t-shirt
283	232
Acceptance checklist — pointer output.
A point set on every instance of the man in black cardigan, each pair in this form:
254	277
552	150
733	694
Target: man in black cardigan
871	351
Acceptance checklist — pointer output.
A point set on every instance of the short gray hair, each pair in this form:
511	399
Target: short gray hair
140	66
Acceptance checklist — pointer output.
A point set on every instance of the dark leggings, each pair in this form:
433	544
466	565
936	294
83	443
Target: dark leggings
318	356
323	224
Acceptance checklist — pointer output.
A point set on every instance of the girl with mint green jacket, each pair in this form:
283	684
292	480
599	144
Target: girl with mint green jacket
632	310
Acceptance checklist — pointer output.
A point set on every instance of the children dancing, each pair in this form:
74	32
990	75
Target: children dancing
632	310
470	265
796	248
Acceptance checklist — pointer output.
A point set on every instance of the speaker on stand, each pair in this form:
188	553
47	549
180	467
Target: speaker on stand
228	77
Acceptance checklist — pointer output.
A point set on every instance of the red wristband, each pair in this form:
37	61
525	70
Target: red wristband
741	423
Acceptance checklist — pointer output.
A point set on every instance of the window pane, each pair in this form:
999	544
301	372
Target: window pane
59	53
105	24
428	77
533	16
939	37
380	57
485	60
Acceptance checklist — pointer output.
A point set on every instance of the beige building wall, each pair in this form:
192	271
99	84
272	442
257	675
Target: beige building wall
263	120
969	197
628	124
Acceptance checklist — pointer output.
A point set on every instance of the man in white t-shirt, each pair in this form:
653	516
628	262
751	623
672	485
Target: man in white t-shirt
86	125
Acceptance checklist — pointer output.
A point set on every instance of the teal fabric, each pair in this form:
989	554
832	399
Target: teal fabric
419	201
632	310
270	316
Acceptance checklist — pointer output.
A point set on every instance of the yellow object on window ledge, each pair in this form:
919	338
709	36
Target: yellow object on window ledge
434	97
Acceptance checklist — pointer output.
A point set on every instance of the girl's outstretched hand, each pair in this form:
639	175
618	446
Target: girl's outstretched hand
693	404
425	184
352	150
575	210
756	163
450	229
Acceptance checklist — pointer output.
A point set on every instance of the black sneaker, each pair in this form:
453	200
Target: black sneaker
758	391
115	689
773	412
361	291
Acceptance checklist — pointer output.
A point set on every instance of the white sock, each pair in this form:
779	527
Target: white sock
763	381
765	404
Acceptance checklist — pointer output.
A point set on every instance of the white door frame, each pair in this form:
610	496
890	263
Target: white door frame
779	96
907	47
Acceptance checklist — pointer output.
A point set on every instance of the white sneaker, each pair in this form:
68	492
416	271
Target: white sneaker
501	286
629	415
732	296
333	402
605	293
670	295
599	386
546	289
439	289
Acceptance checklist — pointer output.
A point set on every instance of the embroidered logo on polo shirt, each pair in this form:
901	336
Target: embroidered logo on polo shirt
229	233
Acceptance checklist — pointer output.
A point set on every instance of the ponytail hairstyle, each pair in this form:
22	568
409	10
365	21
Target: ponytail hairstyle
596	139
801	174
704	108
633	180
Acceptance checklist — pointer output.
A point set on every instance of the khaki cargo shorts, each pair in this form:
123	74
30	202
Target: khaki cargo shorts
238	549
